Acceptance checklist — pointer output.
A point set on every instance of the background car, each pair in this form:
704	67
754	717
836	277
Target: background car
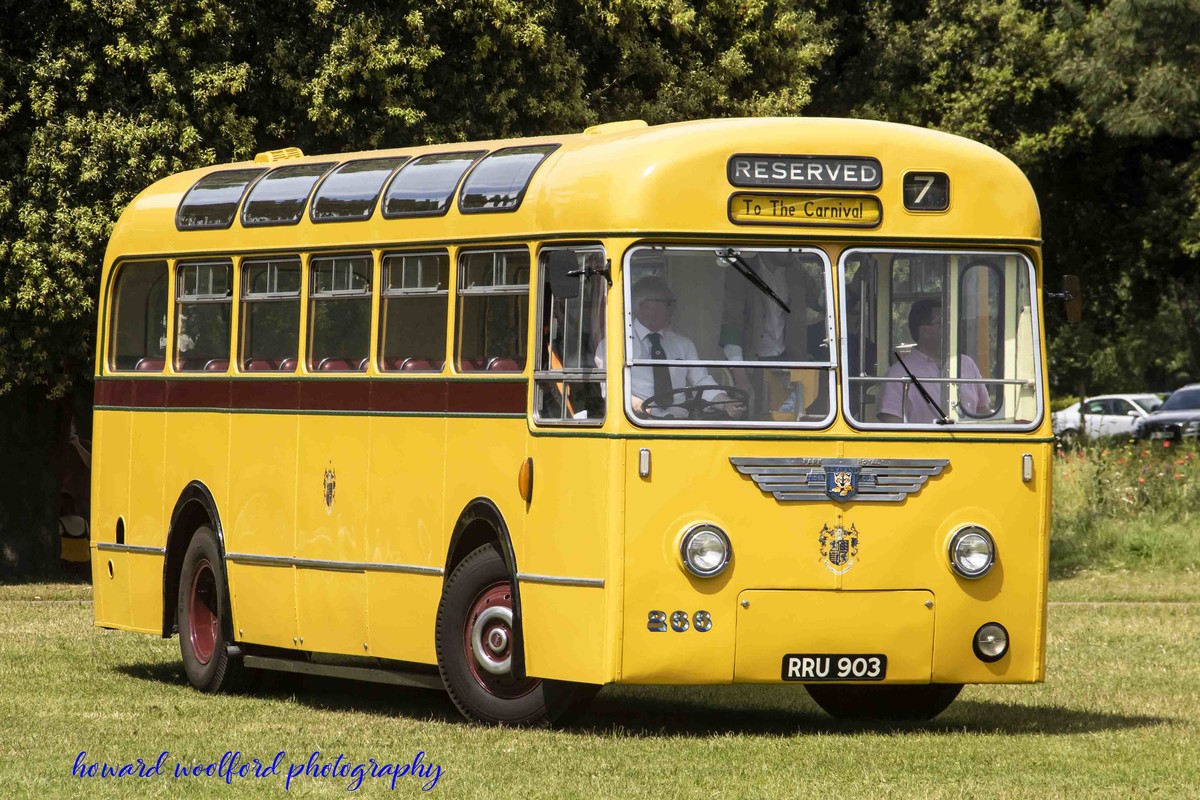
1104	415
1176	419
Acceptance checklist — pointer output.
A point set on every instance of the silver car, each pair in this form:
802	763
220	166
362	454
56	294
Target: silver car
1104	415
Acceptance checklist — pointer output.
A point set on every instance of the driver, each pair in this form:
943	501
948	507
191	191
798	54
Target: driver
653	304
926	361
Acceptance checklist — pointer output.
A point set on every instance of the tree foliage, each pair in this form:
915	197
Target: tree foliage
99	98
1134	68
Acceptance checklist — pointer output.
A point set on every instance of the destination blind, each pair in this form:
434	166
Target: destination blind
851	211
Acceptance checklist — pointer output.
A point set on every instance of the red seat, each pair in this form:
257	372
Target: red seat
150	365
217	365
333	365
416	365
503	365
260	365
362	365
287	365
470	364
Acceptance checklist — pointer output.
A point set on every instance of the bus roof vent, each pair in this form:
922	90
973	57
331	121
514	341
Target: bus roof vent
615	127
282	154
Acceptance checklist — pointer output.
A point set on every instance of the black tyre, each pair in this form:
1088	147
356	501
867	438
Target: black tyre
887	702
475	643
203	617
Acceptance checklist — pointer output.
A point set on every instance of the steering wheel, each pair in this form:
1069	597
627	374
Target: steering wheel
990	411
692	400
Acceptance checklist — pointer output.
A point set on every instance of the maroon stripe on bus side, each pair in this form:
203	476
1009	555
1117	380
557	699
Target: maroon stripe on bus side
277	395
411	396
197	394
487	397
347	396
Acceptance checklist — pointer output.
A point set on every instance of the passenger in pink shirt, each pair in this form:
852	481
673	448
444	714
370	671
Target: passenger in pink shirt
926	361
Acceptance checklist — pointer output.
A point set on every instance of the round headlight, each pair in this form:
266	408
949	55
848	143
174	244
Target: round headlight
705	550
972	552
991	642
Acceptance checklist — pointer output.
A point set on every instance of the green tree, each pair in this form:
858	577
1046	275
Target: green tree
1078	98
100	98
1136	68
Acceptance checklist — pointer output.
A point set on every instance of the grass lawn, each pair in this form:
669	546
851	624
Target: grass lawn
1119	716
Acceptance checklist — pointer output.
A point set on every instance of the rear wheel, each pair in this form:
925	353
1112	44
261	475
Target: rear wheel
476	640
887	702
203	618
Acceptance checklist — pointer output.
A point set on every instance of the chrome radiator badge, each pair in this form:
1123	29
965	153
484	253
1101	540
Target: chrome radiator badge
863	480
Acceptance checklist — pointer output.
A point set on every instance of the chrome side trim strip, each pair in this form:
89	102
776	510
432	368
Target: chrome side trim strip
372	674
555	580
253	559
131	548
259	561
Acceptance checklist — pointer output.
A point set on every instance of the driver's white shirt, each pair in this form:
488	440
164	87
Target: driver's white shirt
678	348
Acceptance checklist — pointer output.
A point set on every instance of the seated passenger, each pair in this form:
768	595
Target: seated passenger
653	305
904	403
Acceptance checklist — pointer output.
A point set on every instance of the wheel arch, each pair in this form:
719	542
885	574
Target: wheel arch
481	523
194	508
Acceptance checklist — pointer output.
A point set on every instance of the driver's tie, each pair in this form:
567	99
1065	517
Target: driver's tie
662	372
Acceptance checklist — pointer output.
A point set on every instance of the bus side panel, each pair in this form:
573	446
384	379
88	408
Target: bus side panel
147	522
405	530
564	630
261	520
110	497
483	459
196	449
566	537
332	490
661	642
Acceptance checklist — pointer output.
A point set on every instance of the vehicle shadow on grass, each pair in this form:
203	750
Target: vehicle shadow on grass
653	711
323	693
787	711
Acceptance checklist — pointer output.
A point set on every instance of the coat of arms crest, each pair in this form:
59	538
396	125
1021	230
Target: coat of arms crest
839	548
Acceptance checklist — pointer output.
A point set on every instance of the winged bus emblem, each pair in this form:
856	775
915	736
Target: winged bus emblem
863	480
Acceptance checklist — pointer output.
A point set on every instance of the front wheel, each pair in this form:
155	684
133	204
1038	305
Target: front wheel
203	618
476	639
886	702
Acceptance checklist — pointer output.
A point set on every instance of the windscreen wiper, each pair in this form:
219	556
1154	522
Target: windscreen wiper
921	388
735	258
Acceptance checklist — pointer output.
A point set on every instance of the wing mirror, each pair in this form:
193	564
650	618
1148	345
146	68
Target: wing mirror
562	273
1072	297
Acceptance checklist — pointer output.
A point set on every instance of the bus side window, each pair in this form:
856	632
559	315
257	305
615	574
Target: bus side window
415	298
570	387
270	313
493	310
339	318
203	292
137	337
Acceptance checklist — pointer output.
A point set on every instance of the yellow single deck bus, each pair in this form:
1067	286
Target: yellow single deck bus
728	401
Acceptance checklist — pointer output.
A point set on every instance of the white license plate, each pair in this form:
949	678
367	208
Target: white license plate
812	667
1161	435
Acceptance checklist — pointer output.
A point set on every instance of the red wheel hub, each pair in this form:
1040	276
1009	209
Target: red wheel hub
488	643
202	612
